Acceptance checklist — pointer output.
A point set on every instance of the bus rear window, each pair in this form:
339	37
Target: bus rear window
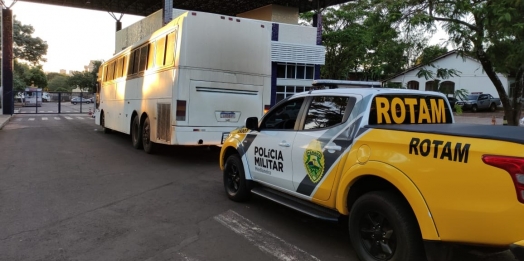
409	109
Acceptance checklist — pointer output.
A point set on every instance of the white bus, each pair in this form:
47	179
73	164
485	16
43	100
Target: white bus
187	83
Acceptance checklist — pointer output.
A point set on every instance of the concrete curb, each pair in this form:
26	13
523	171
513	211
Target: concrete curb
4	120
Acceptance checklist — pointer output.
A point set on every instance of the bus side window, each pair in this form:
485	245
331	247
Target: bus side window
125	65
160	50
151	56
137	61
170	49
143	58
105	73
118	73
110	71
131	63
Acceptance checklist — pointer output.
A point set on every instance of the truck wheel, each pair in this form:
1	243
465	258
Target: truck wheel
103	124
383	227
493	107
136	134
235	179
149	146
474	108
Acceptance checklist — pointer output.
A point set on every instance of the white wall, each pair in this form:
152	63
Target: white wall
471	76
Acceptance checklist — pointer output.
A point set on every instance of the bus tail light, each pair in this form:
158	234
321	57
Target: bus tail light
180	110
514	166
266	108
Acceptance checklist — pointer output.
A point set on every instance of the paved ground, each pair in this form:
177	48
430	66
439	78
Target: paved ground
70	192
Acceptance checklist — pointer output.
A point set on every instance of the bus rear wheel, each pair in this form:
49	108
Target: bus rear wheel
136	134
149	146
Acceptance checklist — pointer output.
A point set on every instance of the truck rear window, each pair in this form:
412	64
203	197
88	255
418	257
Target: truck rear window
409	109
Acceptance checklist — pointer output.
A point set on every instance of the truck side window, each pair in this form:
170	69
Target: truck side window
326	111
283	117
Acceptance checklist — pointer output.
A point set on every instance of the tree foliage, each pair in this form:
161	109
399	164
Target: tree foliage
360	38
25	46
58	82
430	53
25	75
490	31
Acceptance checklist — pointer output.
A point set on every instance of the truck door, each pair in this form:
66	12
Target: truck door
483	101
322	138
269	156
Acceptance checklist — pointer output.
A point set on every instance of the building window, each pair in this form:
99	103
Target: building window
413	85
431	86
287	91
447	87
295	71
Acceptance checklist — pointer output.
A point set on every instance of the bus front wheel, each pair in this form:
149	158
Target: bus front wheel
149	146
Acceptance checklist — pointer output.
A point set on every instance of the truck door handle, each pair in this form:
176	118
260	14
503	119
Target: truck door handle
333	148
284	144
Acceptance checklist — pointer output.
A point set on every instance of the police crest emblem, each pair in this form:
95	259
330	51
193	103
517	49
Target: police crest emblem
314	161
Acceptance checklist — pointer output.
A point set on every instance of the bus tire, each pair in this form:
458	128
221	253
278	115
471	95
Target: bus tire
149	146
136	134
103	124
382	226
235	179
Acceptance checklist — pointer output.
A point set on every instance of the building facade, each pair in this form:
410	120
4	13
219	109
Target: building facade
471	77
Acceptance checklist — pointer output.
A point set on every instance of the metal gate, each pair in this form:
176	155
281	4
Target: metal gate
40	102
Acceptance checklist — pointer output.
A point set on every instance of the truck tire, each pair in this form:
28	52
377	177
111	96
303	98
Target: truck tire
474	108
136	134
382	226
235	179
149	146
493	107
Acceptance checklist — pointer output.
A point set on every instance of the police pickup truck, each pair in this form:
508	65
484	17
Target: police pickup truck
412	182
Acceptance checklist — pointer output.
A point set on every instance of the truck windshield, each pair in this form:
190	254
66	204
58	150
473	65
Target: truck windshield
473	97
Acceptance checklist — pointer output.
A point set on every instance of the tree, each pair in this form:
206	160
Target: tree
58	82
83	80
360	38
25	75
26	47
482	29
430	53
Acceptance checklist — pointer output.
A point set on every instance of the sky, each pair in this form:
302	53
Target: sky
74	36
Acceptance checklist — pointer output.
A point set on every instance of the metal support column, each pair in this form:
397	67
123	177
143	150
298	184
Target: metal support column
7	62
167	14
274	66
317	22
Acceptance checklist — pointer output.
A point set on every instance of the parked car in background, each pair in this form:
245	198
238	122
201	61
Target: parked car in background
480	101
46	97
77	100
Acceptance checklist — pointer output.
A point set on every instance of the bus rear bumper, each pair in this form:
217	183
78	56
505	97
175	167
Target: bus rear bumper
518	250
199	136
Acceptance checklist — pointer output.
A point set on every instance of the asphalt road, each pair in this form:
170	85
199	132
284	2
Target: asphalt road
70	192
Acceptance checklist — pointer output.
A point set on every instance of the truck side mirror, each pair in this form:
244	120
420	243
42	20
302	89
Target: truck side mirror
252	123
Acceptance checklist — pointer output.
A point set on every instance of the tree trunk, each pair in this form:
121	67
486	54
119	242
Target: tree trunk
511	110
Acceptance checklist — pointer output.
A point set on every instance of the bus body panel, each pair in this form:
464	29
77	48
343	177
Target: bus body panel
211	55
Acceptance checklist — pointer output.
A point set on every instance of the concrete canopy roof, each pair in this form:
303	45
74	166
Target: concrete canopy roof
147	7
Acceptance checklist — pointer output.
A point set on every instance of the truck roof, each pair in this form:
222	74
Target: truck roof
370	91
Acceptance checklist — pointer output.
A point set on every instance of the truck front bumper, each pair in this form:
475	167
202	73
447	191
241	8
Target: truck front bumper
518	250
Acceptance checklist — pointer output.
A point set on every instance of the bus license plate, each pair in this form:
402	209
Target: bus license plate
227	115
